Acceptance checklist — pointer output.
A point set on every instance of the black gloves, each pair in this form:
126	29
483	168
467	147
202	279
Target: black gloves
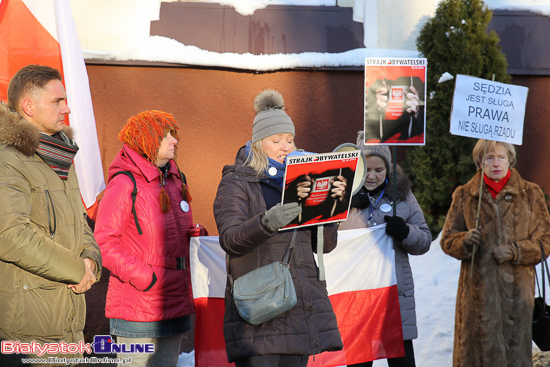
360	200
396	227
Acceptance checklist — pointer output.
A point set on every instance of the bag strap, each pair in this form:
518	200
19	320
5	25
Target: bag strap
544	266
320	251
228	271
289	250
133	195
537	280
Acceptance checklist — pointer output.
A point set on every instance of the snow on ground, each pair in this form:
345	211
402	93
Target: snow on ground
435	280
187	359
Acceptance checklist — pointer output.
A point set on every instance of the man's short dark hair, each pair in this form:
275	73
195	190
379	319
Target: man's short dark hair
30	79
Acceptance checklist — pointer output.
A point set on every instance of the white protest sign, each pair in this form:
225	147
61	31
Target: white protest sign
484	109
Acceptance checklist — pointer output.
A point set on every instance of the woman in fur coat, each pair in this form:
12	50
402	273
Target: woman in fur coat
495	297
373	205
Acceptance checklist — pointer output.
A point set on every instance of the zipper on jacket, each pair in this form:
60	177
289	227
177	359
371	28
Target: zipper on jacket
178	225
163	179
50	215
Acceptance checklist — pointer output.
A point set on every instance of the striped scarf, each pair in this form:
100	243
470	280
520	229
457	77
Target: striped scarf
58	152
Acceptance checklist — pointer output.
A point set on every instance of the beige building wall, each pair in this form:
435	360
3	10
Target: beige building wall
214	109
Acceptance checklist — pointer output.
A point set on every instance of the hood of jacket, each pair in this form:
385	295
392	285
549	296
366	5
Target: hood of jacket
17	132
403	184
129	160
245	173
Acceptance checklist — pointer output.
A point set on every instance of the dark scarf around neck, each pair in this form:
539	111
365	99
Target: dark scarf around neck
58	152
377	189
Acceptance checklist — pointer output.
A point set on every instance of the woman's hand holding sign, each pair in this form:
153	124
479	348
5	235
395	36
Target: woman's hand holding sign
339	188
304	187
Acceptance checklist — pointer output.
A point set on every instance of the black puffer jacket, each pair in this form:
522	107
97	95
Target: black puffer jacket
308	328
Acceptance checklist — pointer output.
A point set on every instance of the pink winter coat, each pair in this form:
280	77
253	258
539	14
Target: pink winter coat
132	258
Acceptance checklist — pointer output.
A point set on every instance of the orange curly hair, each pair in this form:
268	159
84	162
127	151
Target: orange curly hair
143	133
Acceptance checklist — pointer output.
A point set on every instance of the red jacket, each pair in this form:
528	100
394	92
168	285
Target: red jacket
132	258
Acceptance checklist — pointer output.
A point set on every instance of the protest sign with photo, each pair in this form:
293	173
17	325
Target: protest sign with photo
395	91
485	109
322	174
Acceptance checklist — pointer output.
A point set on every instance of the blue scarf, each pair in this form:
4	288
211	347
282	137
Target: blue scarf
274	167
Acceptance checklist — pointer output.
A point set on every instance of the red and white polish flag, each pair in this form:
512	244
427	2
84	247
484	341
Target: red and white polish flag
43	32
361	284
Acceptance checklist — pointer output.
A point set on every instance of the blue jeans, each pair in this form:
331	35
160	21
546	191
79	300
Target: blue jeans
154	329
167	351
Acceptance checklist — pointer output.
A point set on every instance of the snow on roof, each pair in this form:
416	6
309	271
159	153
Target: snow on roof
535	6
162	49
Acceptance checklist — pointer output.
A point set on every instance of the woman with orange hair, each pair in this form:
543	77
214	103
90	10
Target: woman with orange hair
144	240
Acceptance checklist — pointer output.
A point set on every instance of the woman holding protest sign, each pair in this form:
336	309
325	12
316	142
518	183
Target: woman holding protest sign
249	215
498	242
373	205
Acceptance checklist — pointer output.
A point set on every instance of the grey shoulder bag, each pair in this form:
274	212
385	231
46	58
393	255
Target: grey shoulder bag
266	292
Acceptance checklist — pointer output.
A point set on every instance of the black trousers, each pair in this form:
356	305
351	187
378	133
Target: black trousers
407	361
273	360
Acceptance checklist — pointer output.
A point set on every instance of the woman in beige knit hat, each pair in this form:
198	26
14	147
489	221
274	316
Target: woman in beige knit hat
373	205
249	215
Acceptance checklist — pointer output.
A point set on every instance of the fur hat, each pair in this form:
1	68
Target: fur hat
270	117
381	151
144	132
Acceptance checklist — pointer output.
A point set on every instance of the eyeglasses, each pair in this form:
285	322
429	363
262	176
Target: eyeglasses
501	158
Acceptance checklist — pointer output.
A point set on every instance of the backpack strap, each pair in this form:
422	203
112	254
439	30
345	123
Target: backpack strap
134	196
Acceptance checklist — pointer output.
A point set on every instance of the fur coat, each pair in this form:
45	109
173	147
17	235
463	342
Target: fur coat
494	307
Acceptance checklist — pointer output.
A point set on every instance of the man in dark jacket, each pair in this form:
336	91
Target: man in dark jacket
48	255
